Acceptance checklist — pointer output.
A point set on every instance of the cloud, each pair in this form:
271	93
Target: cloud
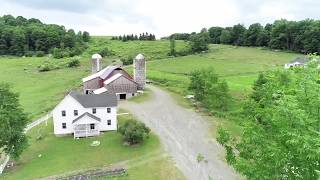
163	17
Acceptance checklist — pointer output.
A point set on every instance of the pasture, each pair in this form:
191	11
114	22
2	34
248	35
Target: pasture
239	66
151	49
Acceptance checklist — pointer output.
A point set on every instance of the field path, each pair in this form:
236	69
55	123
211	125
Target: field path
184	134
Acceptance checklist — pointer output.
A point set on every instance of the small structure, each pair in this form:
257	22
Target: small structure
139	71
85	115
297	62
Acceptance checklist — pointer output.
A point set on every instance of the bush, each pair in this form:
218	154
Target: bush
57	53
29	53
39	53
73	63
44	67
105	52
127	61
210	90
134	132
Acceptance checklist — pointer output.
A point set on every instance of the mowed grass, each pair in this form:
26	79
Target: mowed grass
60	155
150	49
238	65
147	95
39	91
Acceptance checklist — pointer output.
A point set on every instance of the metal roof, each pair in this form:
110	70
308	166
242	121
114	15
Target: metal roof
95	100
96	56
86	114
102	74
139	56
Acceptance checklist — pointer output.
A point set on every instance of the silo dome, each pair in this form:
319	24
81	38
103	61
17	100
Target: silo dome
139	56
96	56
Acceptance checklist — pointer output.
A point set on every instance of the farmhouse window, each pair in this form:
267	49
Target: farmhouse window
109	110
75	112
64	125
94	110
91	126
63	113
109	122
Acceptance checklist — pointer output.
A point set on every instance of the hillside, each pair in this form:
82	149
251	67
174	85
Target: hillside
238	65
41	91
151	49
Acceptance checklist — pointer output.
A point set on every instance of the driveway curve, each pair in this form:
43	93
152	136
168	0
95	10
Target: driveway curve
184	134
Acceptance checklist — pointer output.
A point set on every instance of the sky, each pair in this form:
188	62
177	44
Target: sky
161	17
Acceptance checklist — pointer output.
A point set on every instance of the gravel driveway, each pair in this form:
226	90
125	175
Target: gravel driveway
184	134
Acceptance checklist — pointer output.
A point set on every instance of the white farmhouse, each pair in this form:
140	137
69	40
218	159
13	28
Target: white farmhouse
297	62
85	115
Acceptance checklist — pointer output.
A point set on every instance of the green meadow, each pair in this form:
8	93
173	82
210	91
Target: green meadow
239	66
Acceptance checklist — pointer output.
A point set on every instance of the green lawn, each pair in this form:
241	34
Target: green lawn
147	94
60	155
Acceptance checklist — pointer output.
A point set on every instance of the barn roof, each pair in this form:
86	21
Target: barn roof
95	100
114	77
102	74
86	114
100	90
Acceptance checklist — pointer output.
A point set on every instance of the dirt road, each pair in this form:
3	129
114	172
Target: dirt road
184	134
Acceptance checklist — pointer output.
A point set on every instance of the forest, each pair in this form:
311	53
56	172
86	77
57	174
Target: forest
30	37
298	36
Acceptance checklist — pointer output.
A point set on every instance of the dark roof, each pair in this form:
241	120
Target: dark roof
301	59
95	100
86	114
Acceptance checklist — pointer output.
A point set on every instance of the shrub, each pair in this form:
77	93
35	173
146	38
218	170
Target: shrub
134	132
127	61
209	89
44	67
105	52
57	53
39	53
73	63
29	53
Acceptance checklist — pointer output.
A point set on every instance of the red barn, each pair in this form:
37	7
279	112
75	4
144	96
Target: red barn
112	79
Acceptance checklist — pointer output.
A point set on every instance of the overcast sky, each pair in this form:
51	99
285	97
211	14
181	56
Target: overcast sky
162	17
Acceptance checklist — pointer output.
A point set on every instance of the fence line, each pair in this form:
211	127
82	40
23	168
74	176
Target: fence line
28	127
3	165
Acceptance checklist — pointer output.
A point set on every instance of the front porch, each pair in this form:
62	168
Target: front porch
86	130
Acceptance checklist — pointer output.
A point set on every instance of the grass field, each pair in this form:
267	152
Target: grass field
64	154
238	65
151	49
41	91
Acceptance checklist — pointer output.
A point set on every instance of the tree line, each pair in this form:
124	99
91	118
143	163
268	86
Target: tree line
133	37
20	36
299	36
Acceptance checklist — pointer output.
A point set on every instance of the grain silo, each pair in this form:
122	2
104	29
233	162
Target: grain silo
139	71
96	61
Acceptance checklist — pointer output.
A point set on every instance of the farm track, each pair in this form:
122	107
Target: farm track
184	134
